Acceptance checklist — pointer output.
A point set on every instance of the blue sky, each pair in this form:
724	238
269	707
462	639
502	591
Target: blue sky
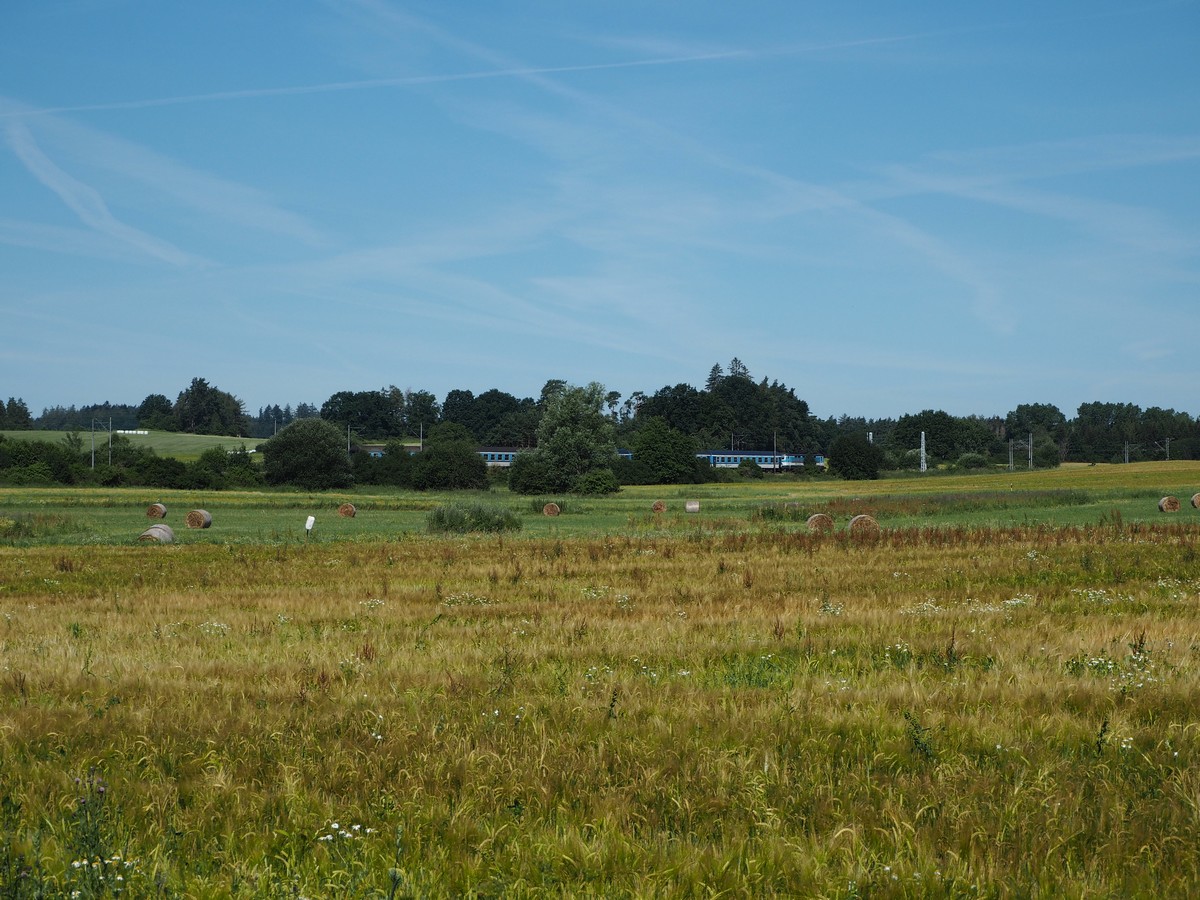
889	207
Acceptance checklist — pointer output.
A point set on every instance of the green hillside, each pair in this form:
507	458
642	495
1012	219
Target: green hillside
164	443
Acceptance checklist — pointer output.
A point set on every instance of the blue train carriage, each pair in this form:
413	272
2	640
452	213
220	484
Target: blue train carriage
502	457
499	457
766	459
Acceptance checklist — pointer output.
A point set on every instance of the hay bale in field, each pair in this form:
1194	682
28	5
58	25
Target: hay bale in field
347	511
659	506
1196	501
199	518
1168	504
157	534
551	509
692	506
863	526
156	511
820	523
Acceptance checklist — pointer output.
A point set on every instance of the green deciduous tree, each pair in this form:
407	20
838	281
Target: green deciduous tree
575	439
494	417
218	469
530	473
1046	454
853	457
575	435
735	412
394	467
374	415
947	437
156	412
38	462
1039	419
309	453
664	454
449	461
421	411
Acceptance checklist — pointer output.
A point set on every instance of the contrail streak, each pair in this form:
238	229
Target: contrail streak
417	80
369	84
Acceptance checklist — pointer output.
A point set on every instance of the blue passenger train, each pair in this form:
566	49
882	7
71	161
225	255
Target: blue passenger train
718	459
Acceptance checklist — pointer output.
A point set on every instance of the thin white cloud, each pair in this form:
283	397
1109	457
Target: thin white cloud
86	202
789	195
362	85
226	201
1045	159
58	239
230	203
1149	350
1108	252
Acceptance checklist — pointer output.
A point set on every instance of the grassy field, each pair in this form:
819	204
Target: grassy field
1072	495
164	443
995	696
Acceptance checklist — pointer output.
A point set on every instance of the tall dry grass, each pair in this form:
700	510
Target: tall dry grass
933	712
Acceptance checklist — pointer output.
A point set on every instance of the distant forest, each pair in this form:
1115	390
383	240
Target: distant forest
730	410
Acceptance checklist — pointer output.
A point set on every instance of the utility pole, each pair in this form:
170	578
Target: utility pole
94	440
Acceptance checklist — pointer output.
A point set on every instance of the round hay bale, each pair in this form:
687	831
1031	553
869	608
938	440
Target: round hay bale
156	511
863	526
692	506
1195	501
1168	504
820	523
551	509
158	534
659	506
347	511
199	518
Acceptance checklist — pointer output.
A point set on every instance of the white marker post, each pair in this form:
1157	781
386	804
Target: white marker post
312	520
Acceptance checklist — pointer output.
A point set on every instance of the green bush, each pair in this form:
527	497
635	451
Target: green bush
449	465
458	518
748	468
597	481
309	453
37	473
973	461
1046	455
855	458
530	474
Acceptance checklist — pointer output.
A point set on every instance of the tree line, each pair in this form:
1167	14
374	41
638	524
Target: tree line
566	428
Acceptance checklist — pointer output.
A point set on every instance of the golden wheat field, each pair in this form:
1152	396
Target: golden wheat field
942	711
